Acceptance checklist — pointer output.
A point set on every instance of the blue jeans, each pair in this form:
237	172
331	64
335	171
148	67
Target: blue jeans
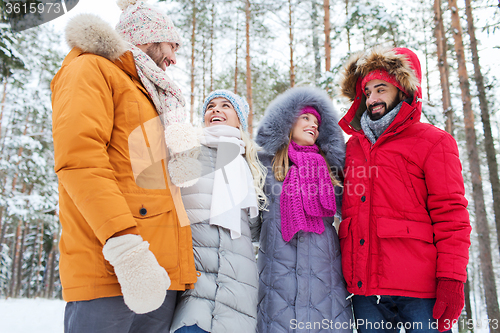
393	313
111	315
190	329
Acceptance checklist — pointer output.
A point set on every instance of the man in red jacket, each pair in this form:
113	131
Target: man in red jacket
405	233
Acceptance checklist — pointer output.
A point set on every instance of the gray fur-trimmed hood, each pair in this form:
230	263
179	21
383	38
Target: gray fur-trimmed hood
92	34
282	112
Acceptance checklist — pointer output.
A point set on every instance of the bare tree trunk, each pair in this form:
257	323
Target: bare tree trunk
1	227
15	258
2	108
204	67
328	45
317	59
463	324
475	171
193	40
485	117
20	152
426	52
290	24
52	264
212	49
236	57
444	74
40	256
441	43
31	266
249	70
347	28
19	263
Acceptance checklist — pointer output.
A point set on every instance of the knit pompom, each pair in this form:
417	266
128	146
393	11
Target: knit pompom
123	4
185	169
181	137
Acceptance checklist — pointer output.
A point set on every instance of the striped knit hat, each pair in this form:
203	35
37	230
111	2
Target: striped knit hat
142	24
240	105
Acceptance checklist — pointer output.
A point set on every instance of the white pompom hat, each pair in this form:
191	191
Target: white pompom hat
142	24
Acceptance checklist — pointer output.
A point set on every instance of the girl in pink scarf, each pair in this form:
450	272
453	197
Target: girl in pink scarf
308	193
301	286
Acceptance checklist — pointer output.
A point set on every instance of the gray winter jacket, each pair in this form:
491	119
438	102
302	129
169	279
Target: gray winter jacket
224	298
301	287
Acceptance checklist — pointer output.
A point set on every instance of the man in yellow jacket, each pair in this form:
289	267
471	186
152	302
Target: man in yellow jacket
122	244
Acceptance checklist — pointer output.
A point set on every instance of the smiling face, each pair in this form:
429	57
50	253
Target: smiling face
305	130
381	97
221	112
163	54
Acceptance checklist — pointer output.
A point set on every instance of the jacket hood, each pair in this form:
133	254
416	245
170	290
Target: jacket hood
400	62
92	34
281	114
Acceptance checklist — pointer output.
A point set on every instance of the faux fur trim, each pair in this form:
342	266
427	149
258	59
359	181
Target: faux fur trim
92	34
360	64
280	115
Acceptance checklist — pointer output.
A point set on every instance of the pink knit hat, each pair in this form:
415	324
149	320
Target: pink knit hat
311	110
142	24
381	74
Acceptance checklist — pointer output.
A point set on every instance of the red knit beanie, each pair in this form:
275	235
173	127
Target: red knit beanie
382	74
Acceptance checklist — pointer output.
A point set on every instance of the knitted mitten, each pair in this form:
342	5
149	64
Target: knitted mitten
143	281
450	300
183	142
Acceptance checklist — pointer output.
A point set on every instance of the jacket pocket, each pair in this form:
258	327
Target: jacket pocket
346	249
407	255
407	181
158	224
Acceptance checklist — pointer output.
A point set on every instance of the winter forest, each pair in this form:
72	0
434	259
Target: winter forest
260	48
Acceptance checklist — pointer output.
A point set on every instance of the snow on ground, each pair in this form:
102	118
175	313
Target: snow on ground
31	315
47	316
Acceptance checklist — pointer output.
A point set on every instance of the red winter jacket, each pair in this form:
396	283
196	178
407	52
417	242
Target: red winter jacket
405	221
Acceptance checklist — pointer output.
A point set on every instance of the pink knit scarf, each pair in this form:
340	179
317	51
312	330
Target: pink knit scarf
307	193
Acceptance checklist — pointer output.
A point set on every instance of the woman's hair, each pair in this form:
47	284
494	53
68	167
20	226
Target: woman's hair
259	171
281	164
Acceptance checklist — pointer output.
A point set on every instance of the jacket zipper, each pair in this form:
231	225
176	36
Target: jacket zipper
368	261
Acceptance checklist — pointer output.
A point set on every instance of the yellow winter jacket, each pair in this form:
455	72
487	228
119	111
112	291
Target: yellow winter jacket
97	104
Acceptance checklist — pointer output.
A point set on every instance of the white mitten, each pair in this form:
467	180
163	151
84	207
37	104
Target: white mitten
183	140
184	168
143	281
181	137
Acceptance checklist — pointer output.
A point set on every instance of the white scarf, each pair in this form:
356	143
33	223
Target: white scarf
166	95
233	188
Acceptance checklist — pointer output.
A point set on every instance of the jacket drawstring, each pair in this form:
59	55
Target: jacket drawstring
378	298
349	297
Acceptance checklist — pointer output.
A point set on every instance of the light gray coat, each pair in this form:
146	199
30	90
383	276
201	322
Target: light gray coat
301	287
224	298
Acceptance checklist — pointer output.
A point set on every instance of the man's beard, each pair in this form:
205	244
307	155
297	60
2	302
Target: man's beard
154	52
388	109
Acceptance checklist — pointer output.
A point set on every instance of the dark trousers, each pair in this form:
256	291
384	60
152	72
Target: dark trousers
393	313
111	315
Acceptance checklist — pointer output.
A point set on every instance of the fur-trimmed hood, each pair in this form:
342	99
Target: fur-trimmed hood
400	62
281	114
92	34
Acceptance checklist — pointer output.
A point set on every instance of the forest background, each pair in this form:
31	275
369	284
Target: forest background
260	48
